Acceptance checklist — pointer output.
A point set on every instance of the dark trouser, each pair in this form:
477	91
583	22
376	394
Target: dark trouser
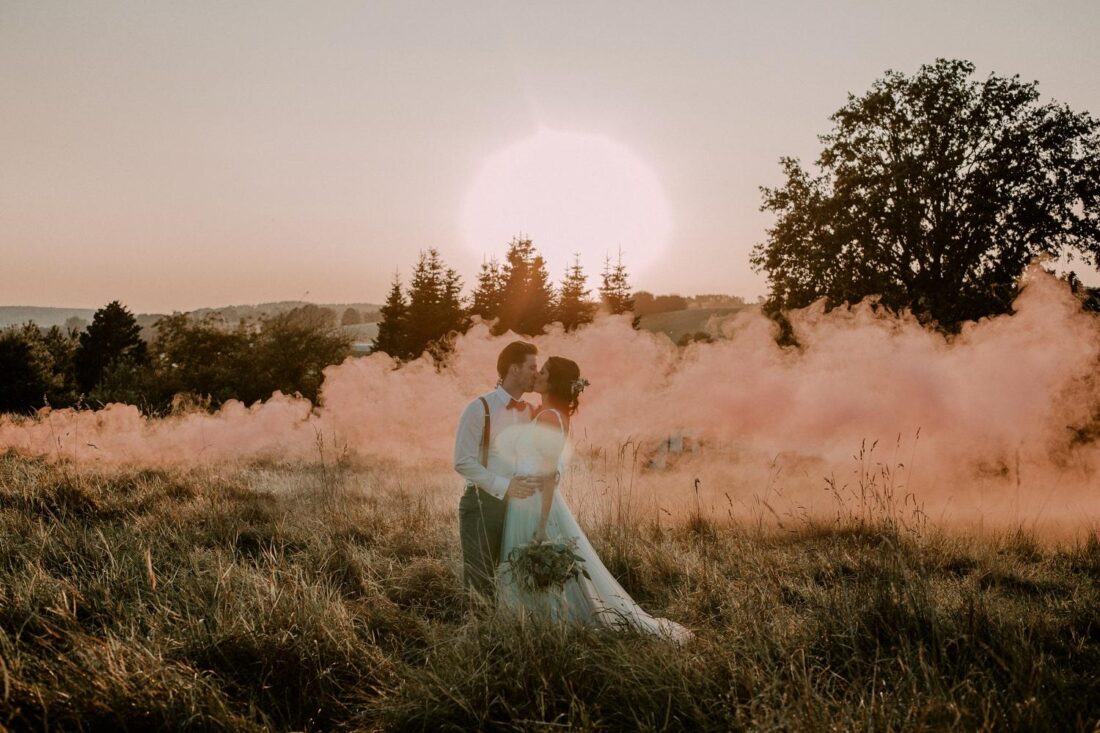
480	528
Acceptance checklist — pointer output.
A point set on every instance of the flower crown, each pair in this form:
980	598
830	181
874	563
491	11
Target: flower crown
579	385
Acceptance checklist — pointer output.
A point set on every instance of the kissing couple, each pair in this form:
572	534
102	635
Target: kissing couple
512	456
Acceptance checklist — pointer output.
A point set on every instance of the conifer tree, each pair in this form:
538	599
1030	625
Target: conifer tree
435	305
527	303
513	297
113	335
615	290
575	308
488	295
391	329
455	316
425	292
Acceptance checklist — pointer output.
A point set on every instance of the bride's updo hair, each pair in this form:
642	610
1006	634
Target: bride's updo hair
564	384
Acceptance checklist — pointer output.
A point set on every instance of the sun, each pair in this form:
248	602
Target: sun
570	193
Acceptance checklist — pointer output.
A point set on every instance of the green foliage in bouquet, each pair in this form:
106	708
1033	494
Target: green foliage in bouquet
540	566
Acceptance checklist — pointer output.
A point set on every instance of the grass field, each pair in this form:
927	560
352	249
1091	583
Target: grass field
677	324
328	597
362	335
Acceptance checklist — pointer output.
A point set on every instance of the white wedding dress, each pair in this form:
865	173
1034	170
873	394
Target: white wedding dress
598	598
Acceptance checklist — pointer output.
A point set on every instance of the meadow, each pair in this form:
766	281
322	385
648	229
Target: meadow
685	323
327	595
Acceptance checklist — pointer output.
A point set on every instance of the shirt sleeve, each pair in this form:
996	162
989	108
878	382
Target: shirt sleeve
468	452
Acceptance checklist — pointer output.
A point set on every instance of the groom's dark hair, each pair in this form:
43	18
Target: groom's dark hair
514	353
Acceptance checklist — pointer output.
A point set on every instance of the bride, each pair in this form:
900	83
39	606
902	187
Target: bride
538	448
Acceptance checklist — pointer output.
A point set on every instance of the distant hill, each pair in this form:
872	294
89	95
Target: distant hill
235	313
17	315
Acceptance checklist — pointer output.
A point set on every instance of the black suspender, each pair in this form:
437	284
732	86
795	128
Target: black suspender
485	435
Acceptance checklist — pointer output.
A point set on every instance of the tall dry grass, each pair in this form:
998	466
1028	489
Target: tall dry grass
327	596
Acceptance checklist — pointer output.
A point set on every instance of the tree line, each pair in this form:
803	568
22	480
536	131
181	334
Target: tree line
190	361
205	360
516	295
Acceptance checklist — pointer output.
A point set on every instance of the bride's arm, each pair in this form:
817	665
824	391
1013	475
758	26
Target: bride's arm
550	445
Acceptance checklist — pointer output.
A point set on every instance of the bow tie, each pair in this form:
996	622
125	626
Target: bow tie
516	405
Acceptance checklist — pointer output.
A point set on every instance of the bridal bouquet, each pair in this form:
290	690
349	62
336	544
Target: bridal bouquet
541	565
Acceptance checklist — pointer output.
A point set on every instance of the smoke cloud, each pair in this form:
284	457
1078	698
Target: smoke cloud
977	428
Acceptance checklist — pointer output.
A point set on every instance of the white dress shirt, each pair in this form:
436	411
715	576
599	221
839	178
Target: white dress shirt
502	459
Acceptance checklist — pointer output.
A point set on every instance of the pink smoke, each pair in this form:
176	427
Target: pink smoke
994	407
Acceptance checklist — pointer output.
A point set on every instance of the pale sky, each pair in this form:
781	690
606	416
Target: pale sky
175	155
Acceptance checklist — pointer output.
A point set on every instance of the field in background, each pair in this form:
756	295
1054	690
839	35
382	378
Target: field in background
678	324
13	315
327	596
362	336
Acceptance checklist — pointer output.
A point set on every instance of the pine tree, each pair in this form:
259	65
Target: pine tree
435	304
575	308
527	302
425	294
489	292
513	297
542	300
455	316
615	290
391	337
113	335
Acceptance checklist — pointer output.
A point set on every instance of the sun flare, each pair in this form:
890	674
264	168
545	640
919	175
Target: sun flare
569	193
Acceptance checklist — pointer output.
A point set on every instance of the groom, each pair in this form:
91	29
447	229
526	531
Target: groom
489	468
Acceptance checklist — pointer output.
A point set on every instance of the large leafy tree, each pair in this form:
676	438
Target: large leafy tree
48	355
351	317
57	349
291	351
23	384
113	335
934	191
203	357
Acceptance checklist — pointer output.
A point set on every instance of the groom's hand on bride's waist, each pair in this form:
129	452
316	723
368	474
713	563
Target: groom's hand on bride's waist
520	487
